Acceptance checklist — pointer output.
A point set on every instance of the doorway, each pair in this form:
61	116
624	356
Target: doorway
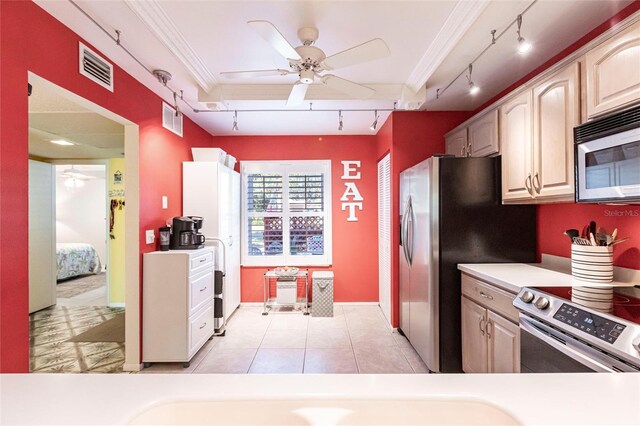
78	147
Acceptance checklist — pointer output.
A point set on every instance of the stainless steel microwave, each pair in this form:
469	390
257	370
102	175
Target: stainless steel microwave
607	158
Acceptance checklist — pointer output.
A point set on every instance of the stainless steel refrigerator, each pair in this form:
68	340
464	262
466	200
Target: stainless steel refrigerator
451	213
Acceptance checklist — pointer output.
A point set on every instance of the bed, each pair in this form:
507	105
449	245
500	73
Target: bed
76	259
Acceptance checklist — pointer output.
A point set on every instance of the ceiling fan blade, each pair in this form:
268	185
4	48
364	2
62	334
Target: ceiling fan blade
257	73
358	91
369	51
298	92
271	34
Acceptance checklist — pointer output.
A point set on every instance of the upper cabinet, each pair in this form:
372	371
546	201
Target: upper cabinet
613	72
476	138
483	135
456	143
537	140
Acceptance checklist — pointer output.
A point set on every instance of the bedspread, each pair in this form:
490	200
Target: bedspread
76	259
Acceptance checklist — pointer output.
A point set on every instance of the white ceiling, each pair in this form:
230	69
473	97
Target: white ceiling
52	116
430	43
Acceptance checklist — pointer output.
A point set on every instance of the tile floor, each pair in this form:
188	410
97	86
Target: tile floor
356	339
49	330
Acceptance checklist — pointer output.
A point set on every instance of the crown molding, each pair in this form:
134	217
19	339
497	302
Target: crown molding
461	18
161	25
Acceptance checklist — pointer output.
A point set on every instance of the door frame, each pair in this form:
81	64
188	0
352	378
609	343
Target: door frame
131	219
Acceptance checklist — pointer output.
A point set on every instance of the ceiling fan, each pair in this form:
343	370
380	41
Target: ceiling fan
309	62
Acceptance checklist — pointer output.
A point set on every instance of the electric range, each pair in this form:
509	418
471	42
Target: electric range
559	335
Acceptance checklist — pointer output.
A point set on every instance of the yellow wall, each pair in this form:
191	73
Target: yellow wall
115	193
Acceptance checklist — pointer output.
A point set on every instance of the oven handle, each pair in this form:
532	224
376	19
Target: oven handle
535	328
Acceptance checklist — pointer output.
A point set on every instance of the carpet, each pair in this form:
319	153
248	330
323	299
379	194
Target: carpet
109	331
75	286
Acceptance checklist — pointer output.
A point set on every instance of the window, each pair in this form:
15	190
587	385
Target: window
286	213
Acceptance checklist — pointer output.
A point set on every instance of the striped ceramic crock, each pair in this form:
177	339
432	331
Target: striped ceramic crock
592	263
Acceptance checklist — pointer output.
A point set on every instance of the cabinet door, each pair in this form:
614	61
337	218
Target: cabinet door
483	135
456	143
613	72
516	139
503	345
474	340
556	111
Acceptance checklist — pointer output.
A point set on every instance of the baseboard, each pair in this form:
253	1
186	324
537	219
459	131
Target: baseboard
132	367
247	304
117	305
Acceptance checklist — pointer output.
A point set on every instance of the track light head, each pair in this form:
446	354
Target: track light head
523	46
374	125
235	121
473	89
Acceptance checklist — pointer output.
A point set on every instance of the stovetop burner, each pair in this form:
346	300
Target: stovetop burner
625	307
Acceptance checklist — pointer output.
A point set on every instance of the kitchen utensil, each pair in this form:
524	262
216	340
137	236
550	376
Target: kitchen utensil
621	240
592	238
581	241
592	227
572	233
614	234
585	232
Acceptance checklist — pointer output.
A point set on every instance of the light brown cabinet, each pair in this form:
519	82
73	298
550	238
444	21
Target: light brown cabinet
613	72
483	135
479	138
456	143
490	332
537	140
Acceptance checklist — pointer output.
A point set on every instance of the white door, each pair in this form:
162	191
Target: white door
42	236
384	236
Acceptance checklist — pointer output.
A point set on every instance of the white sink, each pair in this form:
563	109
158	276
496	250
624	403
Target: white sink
325	412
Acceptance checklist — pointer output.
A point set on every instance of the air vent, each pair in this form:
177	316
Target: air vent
171	120
615	123
96	68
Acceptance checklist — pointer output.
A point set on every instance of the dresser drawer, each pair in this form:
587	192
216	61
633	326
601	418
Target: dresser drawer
200	328
200	261
200	290
491	297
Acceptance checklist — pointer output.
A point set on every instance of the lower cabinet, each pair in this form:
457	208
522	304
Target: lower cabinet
178	304
490	332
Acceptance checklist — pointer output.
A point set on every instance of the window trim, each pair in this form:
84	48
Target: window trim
285	168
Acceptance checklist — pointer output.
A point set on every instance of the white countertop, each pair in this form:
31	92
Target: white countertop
513	276
584	398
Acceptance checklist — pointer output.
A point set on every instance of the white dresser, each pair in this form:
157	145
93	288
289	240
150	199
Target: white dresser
178	304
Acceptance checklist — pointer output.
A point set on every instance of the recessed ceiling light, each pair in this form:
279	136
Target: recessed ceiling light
61	142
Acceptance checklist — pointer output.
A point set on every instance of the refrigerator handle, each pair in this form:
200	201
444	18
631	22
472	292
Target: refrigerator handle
409	232
403	232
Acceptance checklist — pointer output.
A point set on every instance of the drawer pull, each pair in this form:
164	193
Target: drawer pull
203	260
485	295
482	327
488	328
203	326
203	289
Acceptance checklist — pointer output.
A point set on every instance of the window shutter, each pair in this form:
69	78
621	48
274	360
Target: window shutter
384	235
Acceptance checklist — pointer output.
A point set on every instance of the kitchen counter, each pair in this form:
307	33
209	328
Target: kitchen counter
118	398
513	276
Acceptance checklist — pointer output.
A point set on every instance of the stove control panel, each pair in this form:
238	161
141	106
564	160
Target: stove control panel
587	322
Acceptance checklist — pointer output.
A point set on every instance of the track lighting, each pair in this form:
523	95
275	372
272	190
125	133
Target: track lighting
340	126
523	46
235	121
375	120
473	89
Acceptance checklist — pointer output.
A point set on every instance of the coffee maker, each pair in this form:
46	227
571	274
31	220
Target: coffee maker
184	233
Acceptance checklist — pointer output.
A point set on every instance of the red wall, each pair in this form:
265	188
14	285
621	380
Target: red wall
410	136
32	40
355	244
554	219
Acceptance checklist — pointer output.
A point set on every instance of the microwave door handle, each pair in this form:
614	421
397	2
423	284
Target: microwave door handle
565	349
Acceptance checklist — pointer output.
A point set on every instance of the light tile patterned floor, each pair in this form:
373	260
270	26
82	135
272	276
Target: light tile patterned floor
356	339
50	352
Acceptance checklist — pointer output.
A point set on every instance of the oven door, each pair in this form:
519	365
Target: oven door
546	350
608	168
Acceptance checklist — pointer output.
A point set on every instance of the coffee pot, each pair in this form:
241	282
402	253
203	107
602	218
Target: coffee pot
184	233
